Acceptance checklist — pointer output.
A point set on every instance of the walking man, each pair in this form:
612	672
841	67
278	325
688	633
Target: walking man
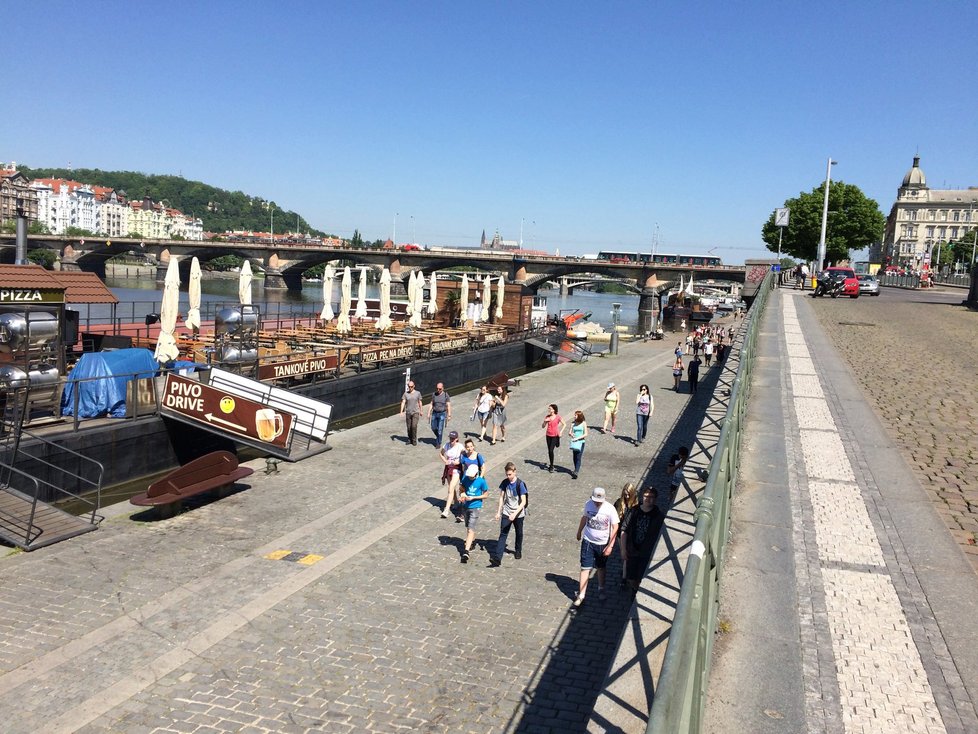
693	373
439	412
597	532
476	490
510	513
411	406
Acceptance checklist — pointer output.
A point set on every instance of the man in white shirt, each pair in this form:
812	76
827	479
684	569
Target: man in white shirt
599	528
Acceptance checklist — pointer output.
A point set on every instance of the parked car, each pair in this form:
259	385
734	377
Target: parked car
850	284
868	285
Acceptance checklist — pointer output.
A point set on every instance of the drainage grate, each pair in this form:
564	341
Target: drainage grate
855	323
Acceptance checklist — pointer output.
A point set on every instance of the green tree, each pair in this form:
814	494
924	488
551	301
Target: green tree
854	222
78	232
43	257
356	241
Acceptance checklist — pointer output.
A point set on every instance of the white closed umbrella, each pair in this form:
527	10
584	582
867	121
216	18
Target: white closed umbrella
166	345
410	294
418	301
500	294
486	297
328	275
361	310
433	295
346	291
244	284
689	286
384	322
463	298
193	315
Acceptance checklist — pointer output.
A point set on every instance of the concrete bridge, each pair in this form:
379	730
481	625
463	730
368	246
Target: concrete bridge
284	264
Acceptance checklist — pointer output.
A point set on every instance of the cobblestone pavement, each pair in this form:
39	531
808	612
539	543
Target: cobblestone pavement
330	597
868	625
913	354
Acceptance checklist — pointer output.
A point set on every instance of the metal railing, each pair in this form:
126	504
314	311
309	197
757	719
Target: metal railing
680	696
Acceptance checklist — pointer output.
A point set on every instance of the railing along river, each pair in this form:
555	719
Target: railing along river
681	693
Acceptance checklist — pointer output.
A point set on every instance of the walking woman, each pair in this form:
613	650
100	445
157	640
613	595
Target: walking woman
553	426
483	406
677	372
626	502
577	435
643	411
611	399
499	401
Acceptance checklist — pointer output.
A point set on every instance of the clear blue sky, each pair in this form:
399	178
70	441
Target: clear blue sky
593	122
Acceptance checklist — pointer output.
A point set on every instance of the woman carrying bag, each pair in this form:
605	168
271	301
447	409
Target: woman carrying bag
643	411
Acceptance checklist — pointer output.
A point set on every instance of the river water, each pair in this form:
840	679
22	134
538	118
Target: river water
141	296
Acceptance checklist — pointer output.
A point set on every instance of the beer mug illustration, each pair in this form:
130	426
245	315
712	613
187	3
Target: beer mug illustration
269	424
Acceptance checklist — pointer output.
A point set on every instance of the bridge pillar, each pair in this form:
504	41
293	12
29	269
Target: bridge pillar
398	288
275	280
564	288
647	311
161	272
519	274
70	264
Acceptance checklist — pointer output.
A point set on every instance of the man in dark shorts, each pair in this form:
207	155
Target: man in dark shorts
475	491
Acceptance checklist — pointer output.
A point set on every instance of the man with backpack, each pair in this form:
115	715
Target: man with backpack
513	499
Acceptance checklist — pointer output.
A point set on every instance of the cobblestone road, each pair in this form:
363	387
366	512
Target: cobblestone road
189	625
913	353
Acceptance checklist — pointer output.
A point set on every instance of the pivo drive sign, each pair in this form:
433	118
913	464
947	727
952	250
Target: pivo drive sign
245	420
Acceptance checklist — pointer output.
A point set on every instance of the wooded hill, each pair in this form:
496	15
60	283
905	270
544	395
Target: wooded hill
219	210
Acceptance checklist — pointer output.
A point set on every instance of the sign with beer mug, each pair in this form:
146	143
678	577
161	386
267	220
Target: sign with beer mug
227	413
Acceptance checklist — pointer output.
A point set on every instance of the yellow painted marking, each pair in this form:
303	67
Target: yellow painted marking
310	559
277	555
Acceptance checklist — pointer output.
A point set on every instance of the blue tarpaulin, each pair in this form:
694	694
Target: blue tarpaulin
106	396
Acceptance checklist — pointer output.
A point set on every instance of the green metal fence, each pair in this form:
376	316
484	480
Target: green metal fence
681	693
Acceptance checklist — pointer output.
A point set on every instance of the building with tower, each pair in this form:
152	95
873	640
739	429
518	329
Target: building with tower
922	219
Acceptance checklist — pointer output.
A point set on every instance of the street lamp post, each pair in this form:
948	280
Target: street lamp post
394	235
825	216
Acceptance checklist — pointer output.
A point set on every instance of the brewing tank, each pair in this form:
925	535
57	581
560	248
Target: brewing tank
12	377
235	355
233	321
43	375
19	330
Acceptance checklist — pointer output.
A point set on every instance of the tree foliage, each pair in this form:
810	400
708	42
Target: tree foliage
854	222
43	257
218	209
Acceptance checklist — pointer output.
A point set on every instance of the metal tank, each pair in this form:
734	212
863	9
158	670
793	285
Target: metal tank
232	354
17	331
233	322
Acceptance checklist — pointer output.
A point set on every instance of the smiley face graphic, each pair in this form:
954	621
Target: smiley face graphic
227	404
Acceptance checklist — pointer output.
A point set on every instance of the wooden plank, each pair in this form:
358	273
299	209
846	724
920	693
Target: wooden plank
50	524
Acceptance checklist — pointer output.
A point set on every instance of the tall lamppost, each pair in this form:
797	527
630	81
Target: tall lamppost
271	226
825	216
414	232
394	235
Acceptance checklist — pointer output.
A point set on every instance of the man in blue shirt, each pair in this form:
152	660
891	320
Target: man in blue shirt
476	490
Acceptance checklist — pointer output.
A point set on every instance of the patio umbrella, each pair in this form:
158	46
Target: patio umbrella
486	297
689	286
500	294
463	298
410	294
193	315
433	295
418	300
328	275
384	322
166	345
244	284
346	288
361	309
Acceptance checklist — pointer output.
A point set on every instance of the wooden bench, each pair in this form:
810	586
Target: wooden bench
216	470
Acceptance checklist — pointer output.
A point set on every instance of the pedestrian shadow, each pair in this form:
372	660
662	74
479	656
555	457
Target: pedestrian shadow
565	584
402	439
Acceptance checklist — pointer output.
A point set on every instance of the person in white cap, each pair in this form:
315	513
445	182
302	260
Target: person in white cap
611	400
476	490
597	532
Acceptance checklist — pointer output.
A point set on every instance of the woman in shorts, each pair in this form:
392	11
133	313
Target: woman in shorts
499	402
483	406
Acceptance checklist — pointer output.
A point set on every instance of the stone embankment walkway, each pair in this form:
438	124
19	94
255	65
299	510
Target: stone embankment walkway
847	604
330	596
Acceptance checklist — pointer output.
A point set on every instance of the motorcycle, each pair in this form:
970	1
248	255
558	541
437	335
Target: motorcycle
829	286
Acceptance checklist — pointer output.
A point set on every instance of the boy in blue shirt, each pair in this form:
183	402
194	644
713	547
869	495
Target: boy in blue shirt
476	490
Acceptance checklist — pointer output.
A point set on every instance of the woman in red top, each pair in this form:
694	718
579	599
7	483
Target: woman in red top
555	427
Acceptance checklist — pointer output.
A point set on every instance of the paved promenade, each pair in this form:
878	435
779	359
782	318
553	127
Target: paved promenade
847	602
330	597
